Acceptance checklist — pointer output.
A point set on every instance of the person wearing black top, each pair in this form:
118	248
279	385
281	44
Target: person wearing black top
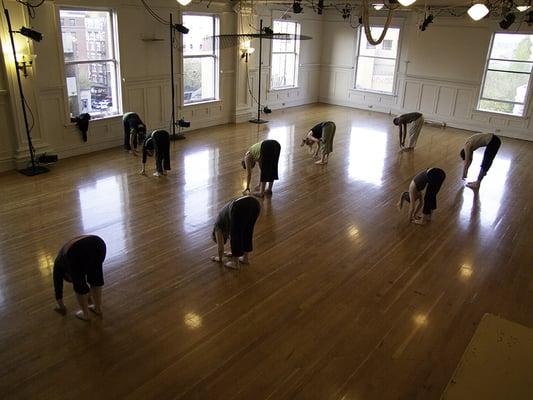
159	143
414	118
134	131
322	135
236	221
431	180
80	262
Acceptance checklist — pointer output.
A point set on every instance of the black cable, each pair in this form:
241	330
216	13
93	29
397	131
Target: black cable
158	18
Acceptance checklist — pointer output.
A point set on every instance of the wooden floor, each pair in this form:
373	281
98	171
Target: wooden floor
343	299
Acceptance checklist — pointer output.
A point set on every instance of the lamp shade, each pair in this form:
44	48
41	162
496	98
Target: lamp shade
406	3
478	11
184	2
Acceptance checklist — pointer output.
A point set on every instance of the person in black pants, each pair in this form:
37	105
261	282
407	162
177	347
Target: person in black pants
159	143
80	262
266	154
236	220
491	143
134	131
431	180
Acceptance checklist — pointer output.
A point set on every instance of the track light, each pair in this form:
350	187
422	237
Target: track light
428	20
529	18
180	28
30	33
346	12
507	21
297	7
478	11
378	7
184	2
524	7
406	3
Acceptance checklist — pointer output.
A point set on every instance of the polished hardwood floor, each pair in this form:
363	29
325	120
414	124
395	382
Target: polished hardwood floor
343	299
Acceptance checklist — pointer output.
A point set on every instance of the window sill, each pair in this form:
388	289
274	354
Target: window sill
201	102
93	120
280	89
502	115
374	92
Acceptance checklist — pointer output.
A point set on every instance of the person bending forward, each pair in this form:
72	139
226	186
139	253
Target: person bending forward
266	154
429	180
236	220
80	262
134	131
415	120
322	135
159	143
491	143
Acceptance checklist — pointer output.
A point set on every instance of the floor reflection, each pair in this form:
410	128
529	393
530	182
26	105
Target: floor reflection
102	213
485	205
200	167
367	153
285	136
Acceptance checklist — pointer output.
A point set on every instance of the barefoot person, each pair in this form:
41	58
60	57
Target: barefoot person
415	120
159	143
431	180
266	154
491	143
236	220
80	262
134	131
322	135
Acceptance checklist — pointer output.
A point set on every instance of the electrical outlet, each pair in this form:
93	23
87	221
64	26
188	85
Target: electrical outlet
370	106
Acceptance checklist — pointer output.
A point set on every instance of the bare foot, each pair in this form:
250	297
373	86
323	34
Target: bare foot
164	173
61	310
418	221
93	309
320	162
257	188
473	185
81	315
231	265
243	260
258	194
246	192
268	192
156	174
216	259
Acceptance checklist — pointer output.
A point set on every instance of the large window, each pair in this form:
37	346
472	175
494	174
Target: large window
200	59
376	65
91	62
285	56
507	77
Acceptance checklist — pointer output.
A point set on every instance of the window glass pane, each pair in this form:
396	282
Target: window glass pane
198	79
278	70
91	88
511	66
388	48
375	74
511	46
198	41
284	45
86	35
496	106
507	86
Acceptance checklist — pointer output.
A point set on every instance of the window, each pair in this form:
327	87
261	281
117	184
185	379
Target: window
508	71
376	65
284	71
92	77
200	59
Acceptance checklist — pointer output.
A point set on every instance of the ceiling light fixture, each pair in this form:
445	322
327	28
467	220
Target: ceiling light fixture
406	3
320	7
184	2
378	6
523	8
297	7
478	11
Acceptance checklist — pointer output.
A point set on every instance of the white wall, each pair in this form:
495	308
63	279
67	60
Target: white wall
439	73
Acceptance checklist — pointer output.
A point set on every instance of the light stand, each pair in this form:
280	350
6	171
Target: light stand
258	120
34	169
173	135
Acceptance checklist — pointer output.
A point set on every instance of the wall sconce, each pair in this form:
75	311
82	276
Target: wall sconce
23	63
246	50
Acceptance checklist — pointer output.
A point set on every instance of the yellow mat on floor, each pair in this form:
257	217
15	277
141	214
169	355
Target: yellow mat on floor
497	364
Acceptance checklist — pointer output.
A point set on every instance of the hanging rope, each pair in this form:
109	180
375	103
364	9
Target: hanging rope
366	24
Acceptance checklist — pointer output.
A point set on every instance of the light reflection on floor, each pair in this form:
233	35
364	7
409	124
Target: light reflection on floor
200	167
487	204
102	213
367	153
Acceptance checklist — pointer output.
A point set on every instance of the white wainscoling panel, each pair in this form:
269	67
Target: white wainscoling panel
463	104
411	98
445	101
428	99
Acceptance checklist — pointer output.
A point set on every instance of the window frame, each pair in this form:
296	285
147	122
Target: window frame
488	59
115	60
394	91
216	64
296	53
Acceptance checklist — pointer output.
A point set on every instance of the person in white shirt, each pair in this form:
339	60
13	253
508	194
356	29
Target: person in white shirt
491	143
